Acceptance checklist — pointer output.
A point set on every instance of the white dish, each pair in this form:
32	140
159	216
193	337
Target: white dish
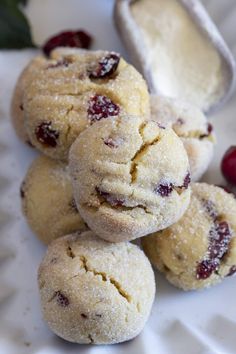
180	323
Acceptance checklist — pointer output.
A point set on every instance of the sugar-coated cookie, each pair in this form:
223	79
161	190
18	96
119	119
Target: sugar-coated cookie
47	200
130	177
93	291
190	124
75	88
200	249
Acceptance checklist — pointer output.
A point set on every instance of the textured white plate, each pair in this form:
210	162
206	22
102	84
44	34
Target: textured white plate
180	323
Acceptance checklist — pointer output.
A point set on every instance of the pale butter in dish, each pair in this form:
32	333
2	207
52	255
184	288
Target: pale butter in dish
178	49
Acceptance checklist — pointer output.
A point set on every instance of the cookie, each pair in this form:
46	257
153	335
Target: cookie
17	108
191	125
130	177
73	91
93	291
200	249
47	200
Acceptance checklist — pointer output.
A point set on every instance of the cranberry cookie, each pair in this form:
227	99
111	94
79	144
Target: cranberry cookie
93	291
17	108
130	177
190	124
71	91
200	249
47	200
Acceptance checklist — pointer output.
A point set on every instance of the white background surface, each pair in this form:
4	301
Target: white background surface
181	323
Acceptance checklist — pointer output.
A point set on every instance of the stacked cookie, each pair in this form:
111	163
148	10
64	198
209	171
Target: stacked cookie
116	166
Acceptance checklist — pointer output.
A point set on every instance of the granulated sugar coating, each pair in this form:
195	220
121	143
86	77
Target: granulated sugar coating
47	200
190	124
200	249
130	177
93	291
64	94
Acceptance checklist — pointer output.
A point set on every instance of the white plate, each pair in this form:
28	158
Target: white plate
180	323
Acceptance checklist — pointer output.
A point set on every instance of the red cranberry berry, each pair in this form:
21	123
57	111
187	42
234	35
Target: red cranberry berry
106	66
101	107
209	131
164	189
62	300
46	135
228	165
77	39
111	199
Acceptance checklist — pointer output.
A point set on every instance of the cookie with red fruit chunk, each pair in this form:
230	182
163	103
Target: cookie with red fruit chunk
200	249
93	291
191	125
47	200
130	177
75	88
228	165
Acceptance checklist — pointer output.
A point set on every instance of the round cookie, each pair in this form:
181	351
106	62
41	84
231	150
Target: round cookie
47	200
17	108
71	91
93	291
130	177
190	124
200	249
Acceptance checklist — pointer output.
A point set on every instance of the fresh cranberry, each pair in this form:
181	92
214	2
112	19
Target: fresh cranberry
164	189
232	271
106	66
228	165
62	300
110	198
101	107
46	135
77	39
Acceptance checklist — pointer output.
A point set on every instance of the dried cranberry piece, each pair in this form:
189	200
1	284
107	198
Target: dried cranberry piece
110	198
106	66
62	300
187	181
206	268
101	107
220	237
73	205
113	143
22	190
46	135
232	271
164	189
21	107
228	165
209	131
210	208
77	39
63	62
180	121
